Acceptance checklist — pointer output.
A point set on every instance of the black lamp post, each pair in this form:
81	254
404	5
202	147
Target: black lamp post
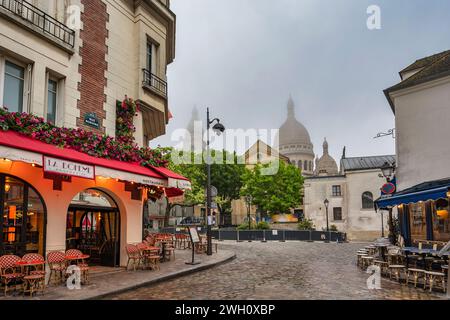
388	171
218	129
327	203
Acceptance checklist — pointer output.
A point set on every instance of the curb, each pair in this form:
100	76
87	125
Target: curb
164	278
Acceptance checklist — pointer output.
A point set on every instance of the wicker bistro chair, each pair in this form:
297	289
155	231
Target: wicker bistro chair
40	270
432	277
396	270
84	267
169	251
9	271
384	266
415	274
359	261
133	255
145	254
35	280
57	264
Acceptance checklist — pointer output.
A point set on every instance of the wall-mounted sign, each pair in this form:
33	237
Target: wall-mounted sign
91	120
388	188
69	168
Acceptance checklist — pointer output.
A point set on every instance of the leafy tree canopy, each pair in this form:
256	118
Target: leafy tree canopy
276	193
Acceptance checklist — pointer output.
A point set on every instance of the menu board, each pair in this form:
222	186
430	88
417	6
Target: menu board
194	234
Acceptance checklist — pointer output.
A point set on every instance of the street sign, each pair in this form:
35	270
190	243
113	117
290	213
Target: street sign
388	188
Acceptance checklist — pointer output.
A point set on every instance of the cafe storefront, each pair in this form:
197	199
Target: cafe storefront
423	211
54	198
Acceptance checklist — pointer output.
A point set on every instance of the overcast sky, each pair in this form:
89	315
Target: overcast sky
243	58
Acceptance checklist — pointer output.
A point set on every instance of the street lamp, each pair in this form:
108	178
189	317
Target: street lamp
388	171
327	203
218	129
248	200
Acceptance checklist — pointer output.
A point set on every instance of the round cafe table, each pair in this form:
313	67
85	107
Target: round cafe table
77	258
26	266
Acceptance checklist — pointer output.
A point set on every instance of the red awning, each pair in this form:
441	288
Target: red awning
18	141
175	180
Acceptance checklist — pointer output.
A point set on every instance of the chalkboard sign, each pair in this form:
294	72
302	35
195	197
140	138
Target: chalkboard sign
91	120
194	235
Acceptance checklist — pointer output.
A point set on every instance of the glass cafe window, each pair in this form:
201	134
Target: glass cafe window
418	221
23	215
441	225
13	87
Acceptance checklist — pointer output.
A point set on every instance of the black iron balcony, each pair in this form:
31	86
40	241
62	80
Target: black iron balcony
155	83
39	21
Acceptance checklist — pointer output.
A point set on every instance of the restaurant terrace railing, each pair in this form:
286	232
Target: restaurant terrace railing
40	20
154	82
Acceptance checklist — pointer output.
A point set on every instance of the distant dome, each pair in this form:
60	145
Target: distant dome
293	132
326	165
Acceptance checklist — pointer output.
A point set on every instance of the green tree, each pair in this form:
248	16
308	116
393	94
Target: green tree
197	176
276	193
227	178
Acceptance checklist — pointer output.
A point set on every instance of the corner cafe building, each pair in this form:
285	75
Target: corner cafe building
56	199
423	211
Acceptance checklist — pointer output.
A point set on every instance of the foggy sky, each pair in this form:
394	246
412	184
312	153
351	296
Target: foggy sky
243	58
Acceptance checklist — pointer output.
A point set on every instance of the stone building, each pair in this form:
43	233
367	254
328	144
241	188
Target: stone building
75	76
350	191
421	105
71	62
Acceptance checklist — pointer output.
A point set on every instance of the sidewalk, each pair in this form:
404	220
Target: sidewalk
107	281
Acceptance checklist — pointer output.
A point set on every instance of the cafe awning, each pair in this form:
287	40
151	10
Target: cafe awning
174	179
18	147
431	190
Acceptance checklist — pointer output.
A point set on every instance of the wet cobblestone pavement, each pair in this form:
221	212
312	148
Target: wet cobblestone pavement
274	270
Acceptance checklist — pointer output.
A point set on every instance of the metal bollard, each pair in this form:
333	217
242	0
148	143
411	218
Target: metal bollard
264	236
310	236
284	236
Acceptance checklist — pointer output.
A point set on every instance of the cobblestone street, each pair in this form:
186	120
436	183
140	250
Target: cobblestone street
291	270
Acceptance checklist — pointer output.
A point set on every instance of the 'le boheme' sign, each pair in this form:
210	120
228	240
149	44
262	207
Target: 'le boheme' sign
69	168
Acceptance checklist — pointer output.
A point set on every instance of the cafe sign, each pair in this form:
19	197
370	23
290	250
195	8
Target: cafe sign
68	168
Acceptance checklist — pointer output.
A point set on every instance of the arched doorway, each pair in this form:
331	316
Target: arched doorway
22	218
93	226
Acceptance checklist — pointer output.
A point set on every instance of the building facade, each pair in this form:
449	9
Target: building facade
421	105
350	192
258	153
71	63
74	77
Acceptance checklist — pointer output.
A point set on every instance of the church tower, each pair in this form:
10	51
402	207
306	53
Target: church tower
326	166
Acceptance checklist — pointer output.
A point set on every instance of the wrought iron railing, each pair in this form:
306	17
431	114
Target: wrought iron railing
155	82
40	19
